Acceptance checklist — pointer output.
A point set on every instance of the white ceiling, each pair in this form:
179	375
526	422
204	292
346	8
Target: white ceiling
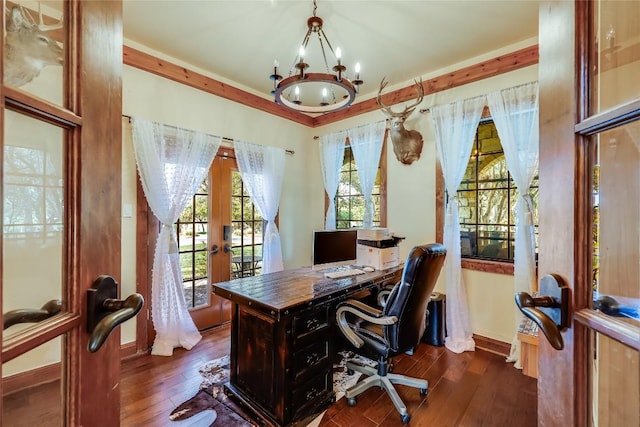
239	40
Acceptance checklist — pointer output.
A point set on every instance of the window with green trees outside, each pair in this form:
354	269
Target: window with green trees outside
487	200
349	198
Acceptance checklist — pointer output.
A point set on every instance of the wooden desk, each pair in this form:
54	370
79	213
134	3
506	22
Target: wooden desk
282	346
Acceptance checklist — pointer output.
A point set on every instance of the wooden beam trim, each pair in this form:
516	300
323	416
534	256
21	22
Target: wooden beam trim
492	67
168	70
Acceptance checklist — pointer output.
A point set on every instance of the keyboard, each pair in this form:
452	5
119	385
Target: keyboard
343	273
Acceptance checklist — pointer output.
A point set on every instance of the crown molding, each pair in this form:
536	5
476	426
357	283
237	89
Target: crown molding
482	70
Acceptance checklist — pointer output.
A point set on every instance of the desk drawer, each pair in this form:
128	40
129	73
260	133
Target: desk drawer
310	358
320	385
307	323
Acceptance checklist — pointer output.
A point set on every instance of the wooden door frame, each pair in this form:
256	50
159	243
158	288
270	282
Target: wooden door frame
92	92
558	386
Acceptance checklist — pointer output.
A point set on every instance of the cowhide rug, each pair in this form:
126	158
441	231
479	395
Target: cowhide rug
210	406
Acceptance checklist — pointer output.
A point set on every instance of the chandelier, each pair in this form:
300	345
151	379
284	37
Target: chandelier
337	91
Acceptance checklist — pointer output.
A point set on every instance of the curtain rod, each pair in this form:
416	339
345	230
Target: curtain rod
224	138
355	127
428	109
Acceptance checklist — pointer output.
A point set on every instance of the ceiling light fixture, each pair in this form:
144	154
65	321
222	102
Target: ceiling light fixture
338	92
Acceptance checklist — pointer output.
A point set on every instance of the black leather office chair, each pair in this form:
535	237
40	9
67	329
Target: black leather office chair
397	328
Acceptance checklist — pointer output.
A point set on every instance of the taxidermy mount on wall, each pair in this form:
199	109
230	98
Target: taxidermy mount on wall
407	144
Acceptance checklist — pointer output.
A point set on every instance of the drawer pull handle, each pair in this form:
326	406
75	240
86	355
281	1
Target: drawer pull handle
313	358
313	323
312	394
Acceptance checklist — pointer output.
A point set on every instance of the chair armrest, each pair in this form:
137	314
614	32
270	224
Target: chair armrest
363	311
383	294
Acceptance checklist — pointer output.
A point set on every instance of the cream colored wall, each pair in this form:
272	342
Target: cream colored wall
411	193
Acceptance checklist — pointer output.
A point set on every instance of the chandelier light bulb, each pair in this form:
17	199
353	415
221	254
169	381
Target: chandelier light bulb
276	63
357	68
338	55
301	53
297	92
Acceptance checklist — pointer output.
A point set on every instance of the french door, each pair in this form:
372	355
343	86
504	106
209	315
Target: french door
590	200
219	238
61	185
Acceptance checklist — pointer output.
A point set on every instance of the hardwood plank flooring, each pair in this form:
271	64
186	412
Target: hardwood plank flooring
469	389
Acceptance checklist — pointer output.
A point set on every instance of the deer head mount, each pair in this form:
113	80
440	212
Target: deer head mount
407	144
28	49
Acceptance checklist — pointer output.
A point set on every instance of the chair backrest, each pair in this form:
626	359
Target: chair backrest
409	298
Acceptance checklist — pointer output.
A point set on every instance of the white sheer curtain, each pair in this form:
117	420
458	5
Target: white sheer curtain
515	114
455	125
331	158
262	170
172	163
366	145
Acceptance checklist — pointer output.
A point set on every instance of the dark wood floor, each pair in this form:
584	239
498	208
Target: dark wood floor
470	389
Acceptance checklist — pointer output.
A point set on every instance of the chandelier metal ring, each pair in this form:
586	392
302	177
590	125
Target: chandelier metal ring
315	78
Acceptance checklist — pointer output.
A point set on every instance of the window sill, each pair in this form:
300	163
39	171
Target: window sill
496	267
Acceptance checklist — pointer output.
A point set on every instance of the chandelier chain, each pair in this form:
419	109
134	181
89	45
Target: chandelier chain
315	7
324	56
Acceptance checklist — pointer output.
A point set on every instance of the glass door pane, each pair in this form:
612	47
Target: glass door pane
34	56
33	222
33	392
192	230
246	247
615	367
618	54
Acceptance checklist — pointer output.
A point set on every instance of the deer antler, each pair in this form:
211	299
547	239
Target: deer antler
408	109
26	14
386	109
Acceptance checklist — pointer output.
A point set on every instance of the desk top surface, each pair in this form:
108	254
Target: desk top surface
290	289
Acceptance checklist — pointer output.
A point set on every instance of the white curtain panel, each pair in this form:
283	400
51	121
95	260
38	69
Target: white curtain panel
262	171
455	126
515	114
331	158
172	163
366	145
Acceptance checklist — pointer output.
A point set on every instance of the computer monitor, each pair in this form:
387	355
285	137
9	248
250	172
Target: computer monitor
334	248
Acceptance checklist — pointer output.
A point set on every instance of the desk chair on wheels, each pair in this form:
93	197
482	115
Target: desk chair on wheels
397	328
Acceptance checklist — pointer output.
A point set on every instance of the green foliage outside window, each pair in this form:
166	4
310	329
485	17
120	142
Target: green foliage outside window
349	199
487	199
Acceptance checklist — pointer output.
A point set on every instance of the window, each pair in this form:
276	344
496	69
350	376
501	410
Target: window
487	200
349	198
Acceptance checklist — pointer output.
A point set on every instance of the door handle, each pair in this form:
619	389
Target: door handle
227	248
31	315
105	312
214	249
550	310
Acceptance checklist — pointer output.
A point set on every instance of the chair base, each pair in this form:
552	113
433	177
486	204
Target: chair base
385	382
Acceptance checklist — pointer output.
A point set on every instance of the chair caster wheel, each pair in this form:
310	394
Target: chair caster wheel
405	418
423	391
350	372
351	401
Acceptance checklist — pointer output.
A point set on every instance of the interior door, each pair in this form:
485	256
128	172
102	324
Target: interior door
61	185
590	209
